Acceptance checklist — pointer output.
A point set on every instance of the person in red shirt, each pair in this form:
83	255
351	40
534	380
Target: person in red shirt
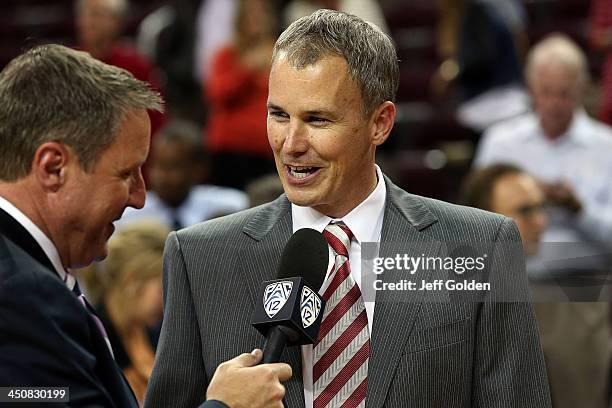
99	24
237	91
600	35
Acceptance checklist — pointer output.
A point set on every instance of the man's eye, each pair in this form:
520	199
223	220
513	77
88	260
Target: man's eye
317	120
278	114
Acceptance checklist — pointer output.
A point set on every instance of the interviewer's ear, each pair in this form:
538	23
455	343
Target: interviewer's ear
50	164
382	122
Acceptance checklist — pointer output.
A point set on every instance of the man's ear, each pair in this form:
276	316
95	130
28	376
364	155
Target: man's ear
50	164
382	122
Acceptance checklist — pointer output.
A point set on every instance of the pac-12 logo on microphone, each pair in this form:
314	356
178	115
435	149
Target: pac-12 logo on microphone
310	306
275	297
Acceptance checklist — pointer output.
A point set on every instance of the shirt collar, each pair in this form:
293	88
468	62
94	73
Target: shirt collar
359	220
41	239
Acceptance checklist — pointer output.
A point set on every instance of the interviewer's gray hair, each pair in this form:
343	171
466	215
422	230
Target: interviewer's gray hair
369	53
54	93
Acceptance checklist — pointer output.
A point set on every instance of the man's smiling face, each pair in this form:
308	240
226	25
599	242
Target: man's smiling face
321	139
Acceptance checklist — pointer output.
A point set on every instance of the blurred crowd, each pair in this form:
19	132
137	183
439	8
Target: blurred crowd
504	105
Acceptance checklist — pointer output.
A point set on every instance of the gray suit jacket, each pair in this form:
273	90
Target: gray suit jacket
424	353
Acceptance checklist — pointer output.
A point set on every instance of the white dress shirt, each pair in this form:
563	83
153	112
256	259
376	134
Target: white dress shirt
365	222
582	158
41	239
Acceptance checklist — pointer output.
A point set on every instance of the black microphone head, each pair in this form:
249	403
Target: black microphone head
305	255
291	310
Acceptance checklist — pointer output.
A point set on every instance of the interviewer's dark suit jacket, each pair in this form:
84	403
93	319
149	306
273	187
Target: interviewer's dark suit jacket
47	338
424	354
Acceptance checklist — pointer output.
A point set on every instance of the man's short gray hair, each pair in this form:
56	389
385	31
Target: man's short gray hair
54	93
369	53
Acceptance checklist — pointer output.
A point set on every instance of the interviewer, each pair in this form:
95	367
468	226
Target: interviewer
74	134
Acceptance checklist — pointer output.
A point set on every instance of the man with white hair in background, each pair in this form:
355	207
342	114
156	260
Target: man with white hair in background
567	151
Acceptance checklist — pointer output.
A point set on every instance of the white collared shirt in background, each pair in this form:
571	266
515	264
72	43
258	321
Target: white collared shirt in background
203	203
582	158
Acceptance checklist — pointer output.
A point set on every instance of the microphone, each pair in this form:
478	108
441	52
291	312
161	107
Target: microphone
291	310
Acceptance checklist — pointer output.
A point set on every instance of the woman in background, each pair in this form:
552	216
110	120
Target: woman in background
237	92
132	302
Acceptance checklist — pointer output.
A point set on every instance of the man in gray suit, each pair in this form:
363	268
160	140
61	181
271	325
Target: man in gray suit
332	83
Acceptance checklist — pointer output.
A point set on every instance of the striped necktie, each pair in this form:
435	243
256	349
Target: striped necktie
342	349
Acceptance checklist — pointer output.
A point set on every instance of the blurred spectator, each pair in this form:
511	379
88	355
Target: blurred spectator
176	199
215	23
569	153
237	91
133	299
505	189
369	10
167	37
575	336
480	42
264	189
99	24
151	27
601	39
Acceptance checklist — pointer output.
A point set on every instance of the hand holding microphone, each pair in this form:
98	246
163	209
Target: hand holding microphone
240	382
290	313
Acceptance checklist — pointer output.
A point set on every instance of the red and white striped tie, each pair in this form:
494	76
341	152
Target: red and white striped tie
340	354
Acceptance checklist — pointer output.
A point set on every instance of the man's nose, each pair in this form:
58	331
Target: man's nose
138	192
296	142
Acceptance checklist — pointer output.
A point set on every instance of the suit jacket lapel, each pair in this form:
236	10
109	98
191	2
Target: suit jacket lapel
270	230
395	311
